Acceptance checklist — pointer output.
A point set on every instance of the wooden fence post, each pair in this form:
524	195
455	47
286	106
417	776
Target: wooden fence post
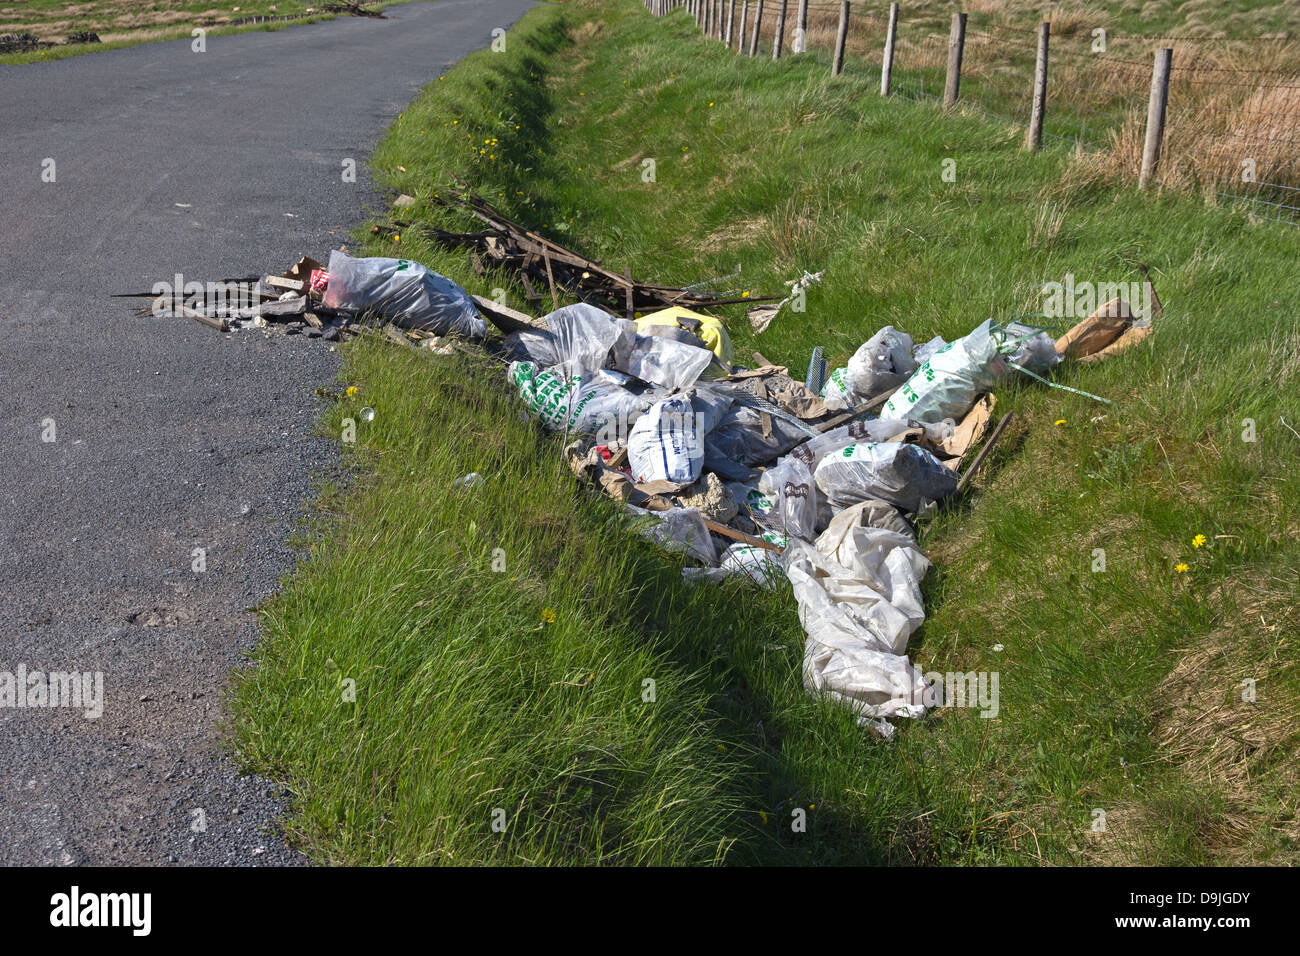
801	28
780	31
956	40
758	25
1040	87
731	20
1156	114
837	66
887	64
740	31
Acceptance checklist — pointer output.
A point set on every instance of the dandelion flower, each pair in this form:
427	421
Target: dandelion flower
351	391
1180	567
1059	422
1198	541
548	616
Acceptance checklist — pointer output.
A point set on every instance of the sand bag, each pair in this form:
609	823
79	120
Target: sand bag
667	443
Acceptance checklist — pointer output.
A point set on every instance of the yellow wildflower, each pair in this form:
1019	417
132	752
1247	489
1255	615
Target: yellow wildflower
351	391
1180	567
1198	541
548	616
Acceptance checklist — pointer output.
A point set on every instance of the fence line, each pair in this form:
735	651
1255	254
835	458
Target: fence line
1228	108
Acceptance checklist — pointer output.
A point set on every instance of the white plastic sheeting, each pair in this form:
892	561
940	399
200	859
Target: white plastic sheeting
860	600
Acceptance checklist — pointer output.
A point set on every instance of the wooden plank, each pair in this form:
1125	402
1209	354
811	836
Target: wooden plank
734	535
208	320
505	318
970	472
550	280
290	285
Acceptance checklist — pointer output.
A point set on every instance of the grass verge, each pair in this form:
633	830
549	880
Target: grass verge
520	695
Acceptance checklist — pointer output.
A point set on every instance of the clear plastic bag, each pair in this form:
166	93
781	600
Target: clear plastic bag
791	484
946	384
583	337
882	363
403	292
904	475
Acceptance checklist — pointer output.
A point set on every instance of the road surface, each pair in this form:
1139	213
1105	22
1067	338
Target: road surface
167	436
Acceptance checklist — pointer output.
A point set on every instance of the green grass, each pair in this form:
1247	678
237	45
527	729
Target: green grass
1119	690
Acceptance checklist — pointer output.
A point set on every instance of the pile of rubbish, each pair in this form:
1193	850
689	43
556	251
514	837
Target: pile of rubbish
540	263
754	475
751	473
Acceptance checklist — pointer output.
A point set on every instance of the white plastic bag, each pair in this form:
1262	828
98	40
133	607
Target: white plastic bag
902	474
667	443
946	384
836	391
663	361
403	292
684	530
882	363
761	565
583	336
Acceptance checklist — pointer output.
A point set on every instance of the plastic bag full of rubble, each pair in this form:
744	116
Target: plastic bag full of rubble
761	565
595	405
667	442
791	484
902	474
1037	349
945	385
858	609
661	360
882	363
403	292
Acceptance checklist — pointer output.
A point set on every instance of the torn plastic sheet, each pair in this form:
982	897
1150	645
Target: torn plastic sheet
858	610
681	529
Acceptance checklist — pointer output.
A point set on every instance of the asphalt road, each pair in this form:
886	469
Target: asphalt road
168	436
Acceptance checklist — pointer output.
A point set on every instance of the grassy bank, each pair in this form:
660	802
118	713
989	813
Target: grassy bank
523	690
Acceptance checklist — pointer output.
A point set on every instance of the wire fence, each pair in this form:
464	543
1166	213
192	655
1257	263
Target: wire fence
1231	126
